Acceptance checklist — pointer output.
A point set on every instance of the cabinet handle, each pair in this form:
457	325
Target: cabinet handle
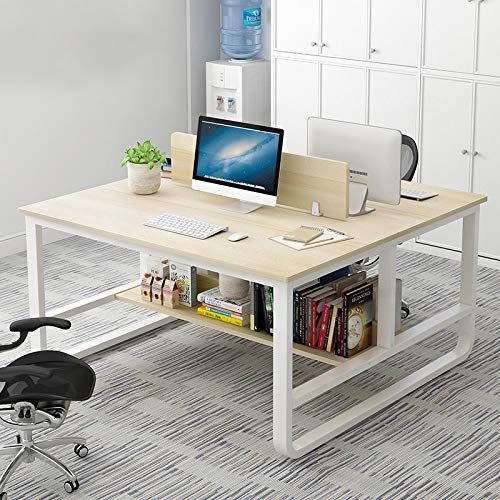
372	51
465	152
323	45
314	44
475	153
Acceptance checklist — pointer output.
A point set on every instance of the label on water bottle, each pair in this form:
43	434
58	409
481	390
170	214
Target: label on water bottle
252	17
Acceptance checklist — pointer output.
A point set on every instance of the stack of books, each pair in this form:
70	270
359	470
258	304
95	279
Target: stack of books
215	306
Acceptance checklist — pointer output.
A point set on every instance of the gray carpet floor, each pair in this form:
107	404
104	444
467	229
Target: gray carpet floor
186	413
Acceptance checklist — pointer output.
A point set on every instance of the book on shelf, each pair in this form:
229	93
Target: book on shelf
244	321
224	312
262	308
251	297
185	277
357	319
266	308
214	298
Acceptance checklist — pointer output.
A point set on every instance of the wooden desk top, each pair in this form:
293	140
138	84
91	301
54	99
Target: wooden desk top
112	211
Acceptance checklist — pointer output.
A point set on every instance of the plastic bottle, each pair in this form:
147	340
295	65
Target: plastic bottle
241	31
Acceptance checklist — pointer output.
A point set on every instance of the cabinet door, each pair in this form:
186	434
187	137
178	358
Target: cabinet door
393	101
297	26
296	99
445	148
394	31
449	37
486	174
343	93
488	54
344	28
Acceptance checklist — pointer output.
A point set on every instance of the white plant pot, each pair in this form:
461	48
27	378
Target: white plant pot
142	180
233	288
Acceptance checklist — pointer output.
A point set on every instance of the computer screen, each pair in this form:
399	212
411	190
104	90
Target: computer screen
238	155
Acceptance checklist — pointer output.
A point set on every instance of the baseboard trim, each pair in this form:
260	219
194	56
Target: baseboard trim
15	243
447	254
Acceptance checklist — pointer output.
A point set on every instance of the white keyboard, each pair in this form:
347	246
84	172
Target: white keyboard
188	227
416	194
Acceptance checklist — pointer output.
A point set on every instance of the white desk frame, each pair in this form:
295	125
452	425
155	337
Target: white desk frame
285	397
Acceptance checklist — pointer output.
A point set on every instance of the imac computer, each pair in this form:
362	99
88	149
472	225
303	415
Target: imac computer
373	155
238	160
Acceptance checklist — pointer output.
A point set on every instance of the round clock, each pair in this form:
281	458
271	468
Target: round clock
355	331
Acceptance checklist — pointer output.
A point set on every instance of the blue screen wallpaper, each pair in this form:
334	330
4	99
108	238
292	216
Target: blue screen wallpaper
237	156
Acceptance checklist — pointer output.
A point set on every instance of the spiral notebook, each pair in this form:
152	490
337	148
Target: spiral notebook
328	236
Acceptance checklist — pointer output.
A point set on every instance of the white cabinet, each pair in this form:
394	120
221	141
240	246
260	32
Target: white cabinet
297	27
394	31
430	68
343	93
488	53
486	169
344	28
446	144
296	99
394	101
449	34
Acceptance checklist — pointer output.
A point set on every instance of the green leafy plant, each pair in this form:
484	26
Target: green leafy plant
144	154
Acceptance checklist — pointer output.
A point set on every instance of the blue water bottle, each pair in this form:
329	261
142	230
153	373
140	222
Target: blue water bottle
241	31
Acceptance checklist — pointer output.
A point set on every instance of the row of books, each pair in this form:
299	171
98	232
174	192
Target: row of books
336	316
335	313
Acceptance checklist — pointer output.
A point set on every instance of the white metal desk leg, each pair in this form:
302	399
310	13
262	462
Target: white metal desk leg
282	370
36	282
468	285
387	297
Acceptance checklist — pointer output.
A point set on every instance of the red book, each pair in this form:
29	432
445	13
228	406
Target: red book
323	326
314	308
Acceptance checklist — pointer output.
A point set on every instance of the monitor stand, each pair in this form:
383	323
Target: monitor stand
358	195
241	207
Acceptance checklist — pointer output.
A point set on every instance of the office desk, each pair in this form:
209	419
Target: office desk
112	214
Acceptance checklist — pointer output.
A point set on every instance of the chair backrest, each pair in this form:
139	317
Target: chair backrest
409	158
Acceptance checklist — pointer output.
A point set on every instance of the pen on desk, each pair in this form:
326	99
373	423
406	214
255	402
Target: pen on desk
315	242
336	231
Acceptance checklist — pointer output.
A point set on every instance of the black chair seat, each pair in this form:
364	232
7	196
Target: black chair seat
66	378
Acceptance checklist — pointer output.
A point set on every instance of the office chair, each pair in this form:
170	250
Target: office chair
409	158
36	392
409	163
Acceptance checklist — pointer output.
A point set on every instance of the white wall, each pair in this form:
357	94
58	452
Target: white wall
266	26
203	46
81	80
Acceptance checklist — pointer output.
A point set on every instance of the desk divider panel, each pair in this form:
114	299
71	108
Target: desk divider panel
303	179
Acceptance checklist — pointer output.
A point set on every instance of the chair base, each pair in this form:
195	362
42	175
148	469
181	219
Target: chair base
26	451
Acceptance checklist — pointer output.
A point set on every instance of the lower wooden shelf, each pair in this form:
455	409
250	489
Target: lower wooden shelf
133	296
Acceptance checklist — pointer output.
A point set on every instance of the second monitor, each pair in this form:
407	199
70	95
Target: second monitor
238	160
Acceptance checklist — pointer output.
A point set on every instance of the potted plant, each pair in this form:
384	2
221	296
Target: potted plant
143	165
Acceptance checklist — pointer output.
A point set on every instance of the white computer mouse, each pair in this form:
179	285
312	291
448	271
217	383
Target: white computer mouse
237	237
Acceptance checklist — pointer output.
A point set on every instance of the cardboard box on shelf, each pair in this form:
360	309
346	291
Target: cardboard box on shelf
170	294
146	283
157	290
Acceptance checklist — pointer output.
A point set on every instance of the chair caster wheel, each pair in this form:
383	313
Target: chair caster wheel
69	486
3	496
405	312
81	450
